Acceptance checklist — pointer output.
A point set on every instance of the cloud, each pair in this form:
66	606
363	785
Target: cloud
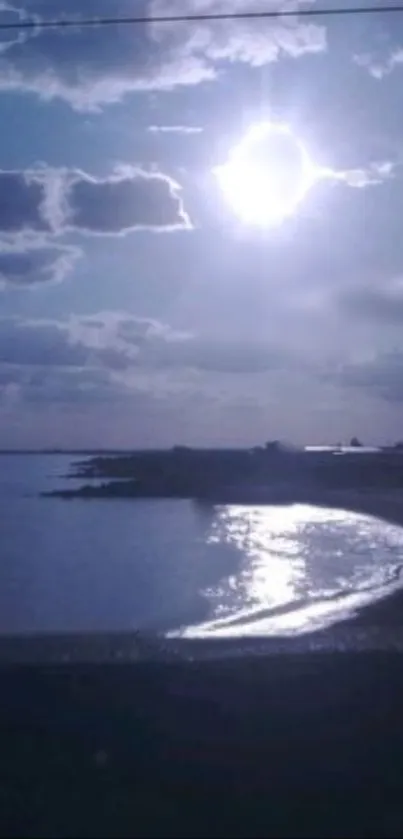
375	173
128	200
56	201
123	342
379	67
113	353
380	302
245	41
380	374
117	341
70	386
29	264
108	368
72	362
53	201
38	343
175	129
80	341
94	67
42	364
10	13
212	355
22	199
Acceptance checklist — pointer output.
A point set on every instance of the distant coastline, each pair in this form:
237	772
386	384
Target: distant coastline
67	452
270	474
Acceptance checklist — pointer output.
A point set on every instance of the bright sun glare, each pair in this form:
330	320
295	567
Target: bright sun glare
267	175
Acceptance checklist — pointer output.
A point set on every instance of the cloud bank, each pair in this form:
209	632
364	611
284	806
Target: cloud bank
129	354
95	67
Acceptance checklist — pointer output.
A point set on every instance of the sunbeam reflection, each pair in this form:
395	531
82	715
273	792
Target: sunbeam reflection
302	568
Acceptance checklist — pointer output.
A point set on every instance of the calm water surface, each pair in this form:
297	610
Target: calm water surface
177	567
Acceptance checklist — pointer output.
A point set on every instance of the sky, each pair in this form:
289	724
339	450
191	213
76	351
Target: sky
201	236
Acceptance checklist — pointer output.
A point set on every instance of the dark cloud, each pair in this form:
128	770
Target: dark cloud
90	67
71	386
46	201
58	385
32	265
125	355
21	203
379	303
150	344
38	343
69	362
213	355
380	375
138	331
79	341
124	202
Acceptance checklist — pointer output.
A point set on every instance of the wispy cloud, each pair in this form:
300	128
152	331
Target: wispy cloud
375	173
175	129
378	67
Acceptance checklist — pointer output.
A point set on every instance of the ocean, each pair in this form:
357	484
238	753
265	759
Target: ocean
179	568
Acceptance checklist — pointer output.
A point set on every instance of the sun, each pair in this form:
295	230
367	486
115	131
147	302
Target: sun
267	175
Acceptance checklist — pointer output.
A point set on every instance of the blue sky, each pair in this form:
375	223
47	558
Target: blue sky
139	305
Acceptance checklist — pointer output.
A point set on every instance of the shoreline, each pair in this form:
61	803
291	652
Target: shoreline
378	628
378	622
386	505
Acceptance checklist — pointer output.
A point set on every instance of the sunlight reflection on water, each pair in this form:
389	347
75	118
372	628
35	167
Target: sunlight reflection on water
302	568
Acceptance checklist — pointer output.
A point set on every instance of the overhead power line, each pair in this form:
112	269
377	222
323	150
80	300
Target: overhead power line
64	23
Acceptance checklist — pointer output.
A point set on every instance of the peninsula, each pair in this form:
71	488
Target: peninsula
257	475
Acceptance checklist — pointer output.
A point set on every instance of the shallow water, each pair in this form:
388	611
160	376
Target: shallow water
177	567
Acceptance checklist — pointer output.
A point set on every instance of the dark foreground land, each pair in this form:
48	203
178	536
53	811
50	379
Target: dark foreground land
105	736
292	744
